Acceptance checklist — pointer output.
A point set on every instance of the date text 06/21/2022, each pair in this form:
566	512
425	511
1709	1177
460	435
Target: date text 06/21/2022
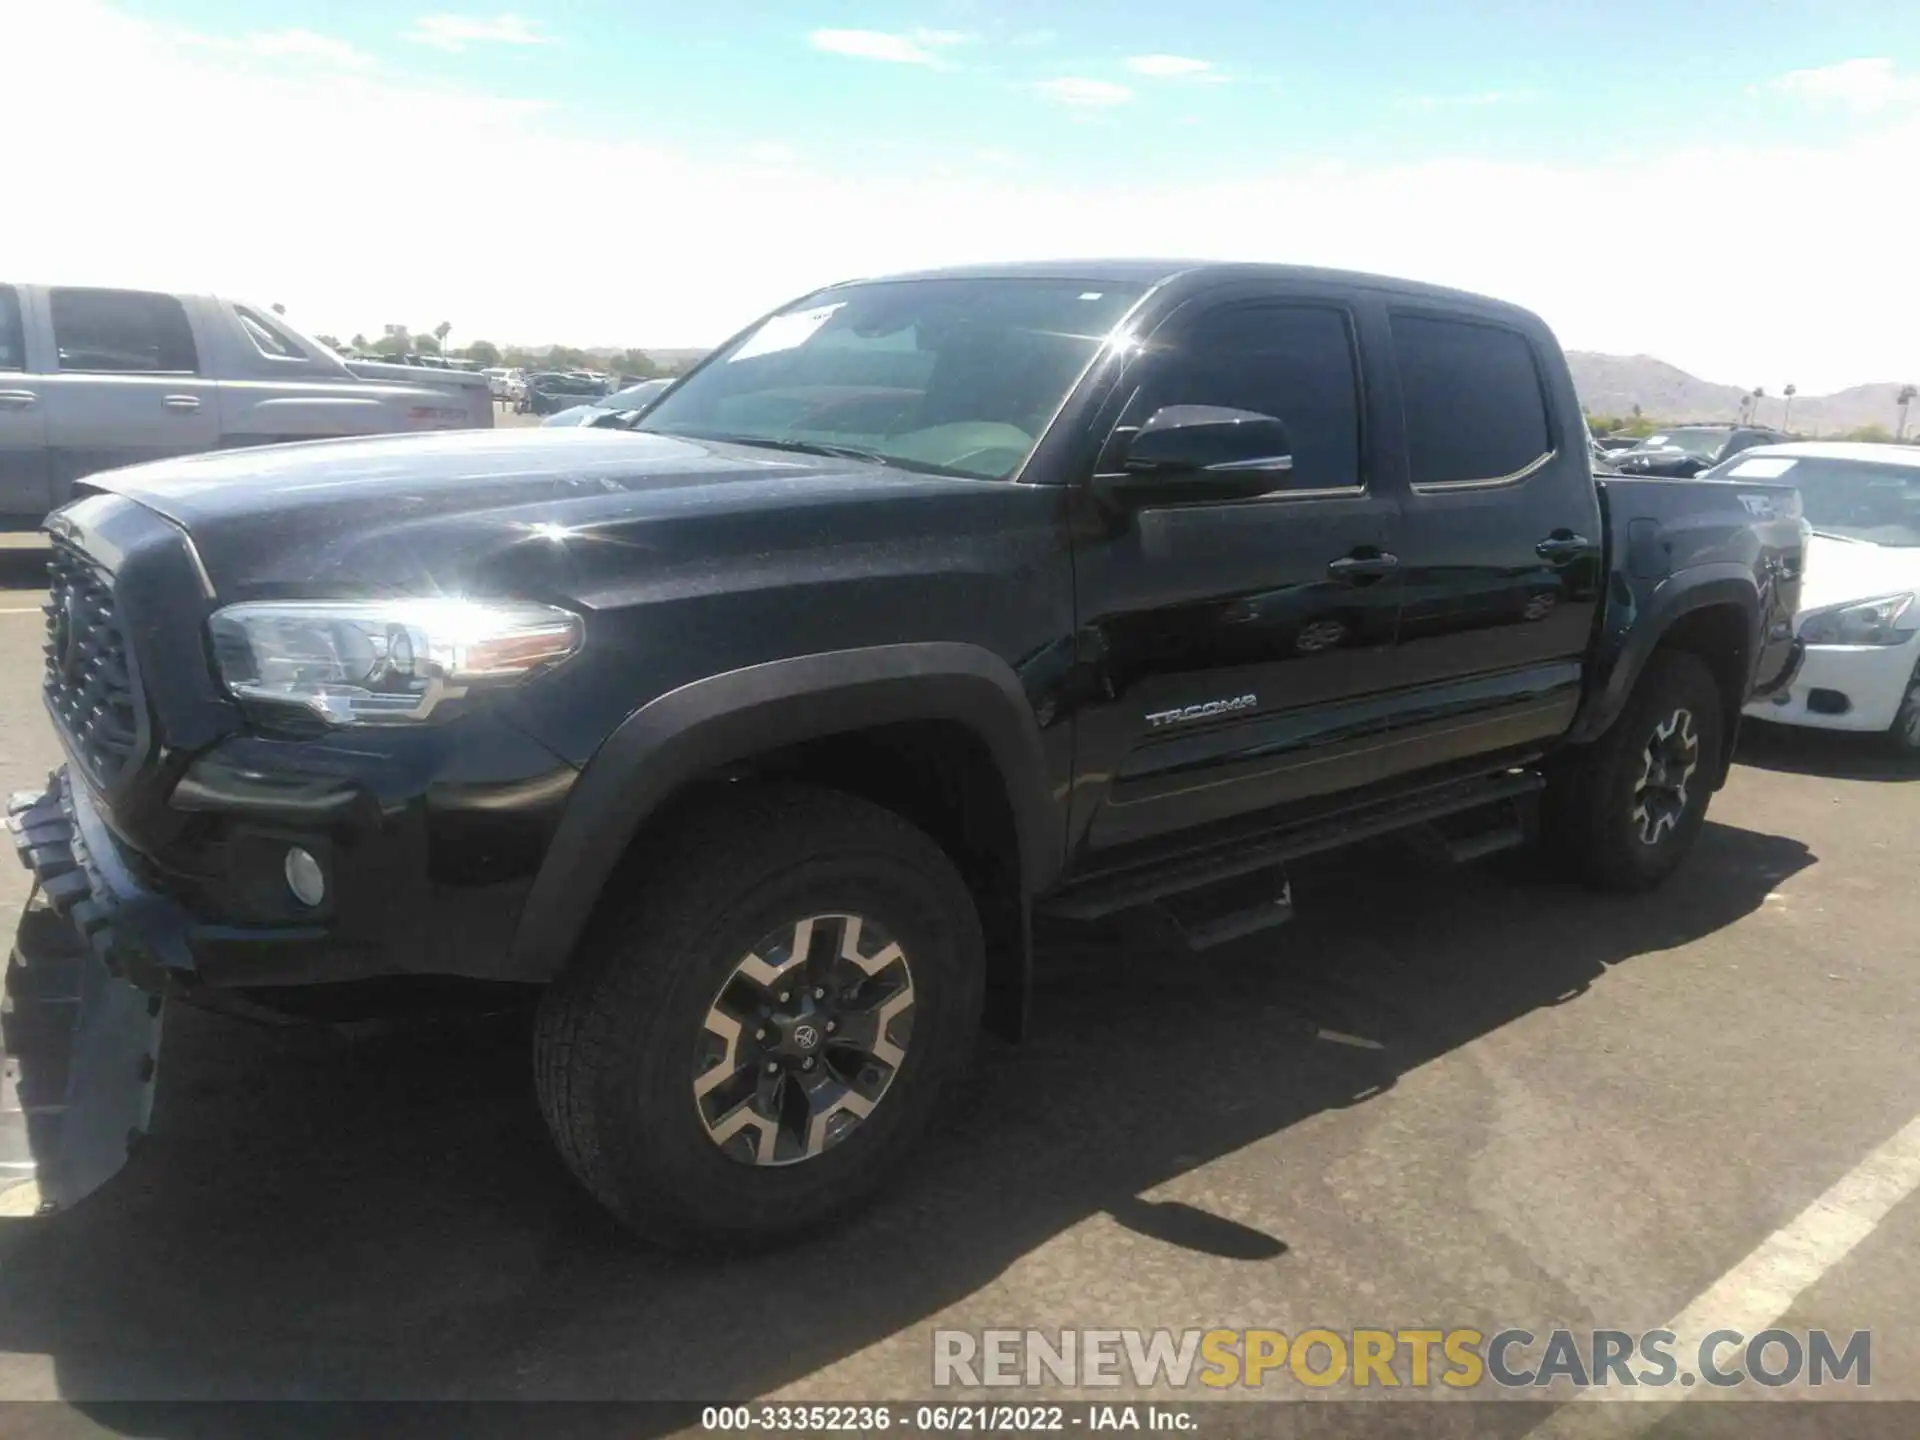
947	1419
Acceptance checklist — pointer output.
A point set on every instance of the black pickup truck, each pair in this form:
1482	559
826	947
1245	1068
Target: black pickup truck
751	739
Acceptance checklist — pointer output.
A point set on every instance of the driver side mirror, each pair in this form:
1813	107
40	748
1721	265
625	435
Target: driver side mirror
1201	452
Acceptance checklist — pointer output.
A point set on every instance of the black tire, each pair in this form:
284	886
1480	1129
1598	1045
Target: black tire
1611	831
1903	737
619	1037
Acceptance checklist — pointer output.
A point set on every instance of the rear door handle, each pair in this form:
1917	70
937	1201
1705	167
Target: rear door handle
1351	568
18	399
1562	547
181	402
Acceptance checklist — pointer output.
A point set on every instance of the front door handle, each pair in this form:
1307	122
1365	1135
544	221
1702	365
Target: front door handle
1353	569
181	402
1563	547
18	399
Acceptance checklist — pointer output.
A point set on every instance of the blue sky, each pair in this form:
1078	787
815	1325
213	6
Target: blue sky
1481	142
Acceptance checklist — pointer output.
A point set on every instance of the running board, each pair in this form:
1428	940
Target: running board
1230	910
1117	891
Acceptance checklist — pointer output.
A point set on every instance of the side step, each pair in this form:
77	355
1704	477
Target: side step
1117	891
1231	909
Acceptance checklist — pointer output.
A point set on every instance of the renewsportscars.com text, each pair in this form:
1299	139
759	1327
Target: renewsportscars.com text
1395	1359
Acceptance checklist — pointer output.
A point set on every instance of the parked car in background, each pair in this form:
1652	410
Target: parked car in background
94	378
1611	443
755	737
549	392
1689	449
1860	600
631	401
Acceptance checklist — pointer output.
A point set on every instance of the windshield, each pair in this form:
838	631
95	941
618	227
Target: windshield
634	396
1703	443
952	376
1850	498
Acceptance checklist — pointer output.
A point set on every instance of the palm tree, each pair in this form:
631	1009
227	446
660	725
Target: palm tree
440	333
1753	403
1905	397
1786	415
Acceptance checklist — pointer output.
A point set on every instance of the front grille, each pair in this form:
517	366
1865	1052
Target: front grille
88	685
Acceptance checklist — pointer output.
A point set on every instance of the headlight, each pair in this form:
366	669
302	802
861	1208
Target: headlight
1864	622
384	662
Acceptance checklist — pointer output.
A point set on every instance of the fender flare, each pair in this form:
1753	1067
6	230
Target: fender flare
1684	592
733	716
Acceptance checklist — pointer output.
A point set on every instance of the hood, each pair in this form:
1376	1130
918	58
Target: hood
1842	570
454	510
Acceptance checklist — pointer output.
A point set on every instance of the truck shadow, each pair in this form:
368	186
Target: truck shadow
384	1218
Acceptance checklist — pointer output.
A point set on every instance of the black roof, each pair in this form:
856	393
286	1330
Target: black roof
1157	272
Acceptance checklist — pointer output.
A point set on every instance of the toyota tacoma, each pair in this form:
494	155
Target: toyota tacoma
751	737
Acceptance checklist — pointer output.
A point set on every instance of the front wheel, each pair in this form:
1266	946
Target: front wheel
1626	810
758	1033
1904	736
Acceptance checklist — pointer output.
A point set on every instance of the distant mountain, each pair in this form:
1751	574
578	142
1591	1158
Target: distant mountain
1614	384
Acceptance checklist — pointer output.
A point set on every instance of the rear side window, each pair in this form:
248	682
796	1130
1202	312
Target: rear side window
267	337
1293	362
1475	409
122	332
13	341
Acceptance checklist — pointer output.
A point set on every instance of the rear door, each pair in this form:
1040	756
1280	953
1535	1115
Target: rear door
25	491
127	384
1237	645
1500	538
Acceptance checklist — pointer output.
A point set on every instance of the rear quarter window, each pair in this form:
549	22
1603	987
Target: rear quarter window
1474	405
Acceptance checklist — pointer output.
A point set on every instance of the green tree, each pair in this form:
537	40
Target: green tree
426	345
332	342
396	341
484	353
564	357
440	333
1870	434
359	341
633	362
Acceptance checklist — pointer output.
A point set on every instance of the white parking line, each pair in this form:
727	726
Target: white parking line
28	610
1762	1288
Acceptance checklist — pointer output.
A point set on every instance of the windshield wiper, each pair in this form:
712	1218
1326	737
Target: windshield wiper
823	447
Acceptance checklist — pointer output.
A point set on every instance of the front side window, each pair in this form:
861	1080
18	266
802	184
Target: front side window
1293	362
1475	410
1702	444
955	377
122	331
13	340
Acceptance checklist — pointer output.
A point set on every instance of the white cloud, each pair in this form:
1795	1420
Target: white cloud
456	32
293	45
1168	66
1082	93
917	48
1839	306
1863	86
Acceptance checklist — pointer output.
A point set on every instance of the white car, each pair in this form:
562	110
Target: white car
1860	596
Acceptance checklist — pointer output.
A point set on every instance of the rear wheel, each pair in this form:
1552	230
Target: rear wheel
756	1034
1626	810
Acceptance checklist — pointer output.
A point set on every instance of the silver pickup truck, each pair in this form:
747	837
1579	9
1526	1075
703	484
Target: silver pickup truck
91	379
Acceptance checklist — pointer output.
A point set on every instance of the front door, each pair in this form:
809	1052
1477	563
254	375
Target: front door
1234	646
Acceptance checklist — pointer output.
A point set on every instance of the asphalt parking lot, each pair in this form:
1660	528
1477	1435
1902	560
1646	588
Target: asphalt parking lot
1440	1098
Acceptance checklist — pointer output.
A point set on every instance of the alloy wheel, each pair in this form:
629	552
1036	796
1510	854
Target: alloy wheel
1660	794
803	1039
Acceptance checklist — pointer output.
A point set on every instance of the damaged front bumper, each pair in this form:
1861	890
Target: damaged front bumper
81	1016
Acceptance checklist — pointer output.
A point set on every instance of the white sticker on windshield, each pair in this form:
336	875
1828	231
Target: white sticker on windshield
1761	467
783	332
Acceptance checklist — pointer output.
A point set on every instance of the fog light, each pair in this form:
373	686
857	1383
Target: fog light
304	877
